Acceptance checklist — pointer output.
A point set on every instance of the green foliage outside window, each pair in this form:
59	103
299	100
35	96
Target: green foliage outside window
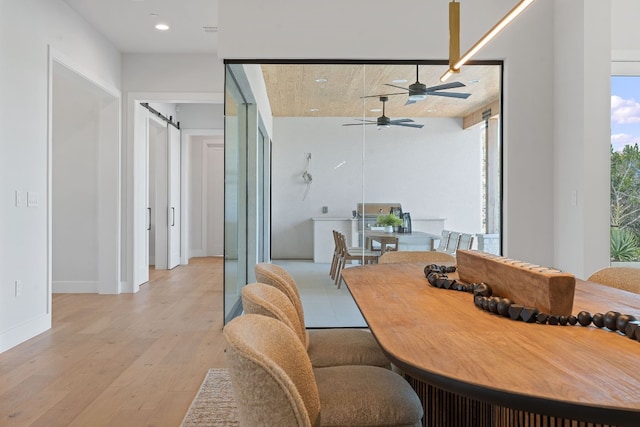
625	204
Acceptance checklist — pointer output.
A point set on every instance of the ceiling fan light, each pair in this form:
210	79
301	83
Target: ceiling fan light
417	97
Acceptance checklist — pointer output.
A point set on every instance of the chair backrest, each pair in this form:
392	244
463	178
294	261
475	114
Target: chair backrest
444	241
452	246
259	298
425	257
271	374
466	241
274	275
625	278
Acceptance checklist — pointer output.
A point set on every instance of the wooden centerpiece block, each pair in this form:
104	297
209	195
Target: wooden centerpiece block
547	289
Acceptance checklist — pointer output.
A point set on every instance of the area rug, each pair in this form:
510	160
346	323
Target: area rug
214	404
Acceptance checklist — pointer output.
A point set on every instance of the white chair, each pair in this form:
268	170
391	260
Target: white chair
465	241
444	241
452	246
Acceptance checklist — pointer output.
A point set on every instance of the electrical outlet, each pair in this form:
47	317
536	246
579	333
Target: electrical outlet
32	198
18	286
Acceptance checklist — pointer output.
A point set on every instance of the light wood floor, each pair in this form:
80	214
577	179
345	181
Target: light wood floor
119	360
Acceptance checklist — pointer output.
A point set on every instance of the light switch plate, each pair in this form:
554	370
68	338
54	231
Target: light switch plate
18	198
32	198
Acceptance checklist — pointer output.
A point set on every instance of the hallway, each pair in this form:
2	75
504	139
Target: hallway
125	360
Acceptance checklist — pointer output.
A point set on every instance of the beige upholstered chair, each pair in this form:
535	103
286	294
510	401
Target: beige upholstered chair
275	385
625	278
326	347
425	257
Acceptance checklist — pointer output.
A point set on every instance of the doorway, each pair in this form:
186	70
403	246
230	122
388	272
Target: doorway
84	184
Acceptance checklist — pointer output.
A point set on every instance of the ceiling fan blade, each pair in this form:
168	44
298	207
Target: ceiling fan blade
383	94
408	125
445	86
359	124
409	102
399	87
450	94
401	121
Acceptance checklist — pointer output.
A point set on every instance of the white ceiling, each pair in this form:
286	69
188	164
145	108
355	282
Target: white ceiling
129	24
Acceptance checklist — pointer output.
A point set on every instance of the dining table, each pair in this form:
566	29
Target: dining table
471	367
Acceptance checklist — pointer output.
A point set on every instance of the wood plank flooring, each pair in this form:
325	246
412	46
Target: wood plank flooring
119	360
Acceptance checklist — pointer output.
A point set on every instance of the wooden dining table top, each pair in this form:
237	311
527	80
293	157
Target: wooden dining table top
442	338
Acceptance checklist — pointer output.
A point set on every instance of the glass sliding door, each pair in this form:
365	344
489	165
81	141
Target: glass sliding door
354	141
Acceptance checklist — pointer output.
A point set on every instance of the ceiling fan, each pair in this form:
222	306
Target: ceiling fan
384	121
419	91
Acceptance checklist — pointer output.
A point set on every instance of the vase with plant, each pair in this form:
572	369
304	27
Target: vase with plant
389	221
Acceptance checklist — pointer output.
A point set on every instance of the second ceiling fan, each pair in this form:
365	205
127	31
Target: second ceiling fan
419	91
384	121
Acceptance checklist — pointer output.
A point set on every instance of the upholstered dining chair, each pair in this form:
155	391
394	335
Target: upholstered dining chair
275	385
326	347
425	257
625	278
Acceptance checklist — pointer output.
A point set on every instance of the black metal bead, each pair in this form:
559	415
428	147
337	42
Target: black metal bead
529	314
562	320
482	289
584	318
542	318
485	303
503	306
622	320
514	311
610	318
598	320
573	320
631	329
493	304
553	319
477	300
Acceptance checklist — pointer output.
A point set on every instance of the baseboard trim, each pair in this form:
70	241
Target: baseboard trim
79	287
24	331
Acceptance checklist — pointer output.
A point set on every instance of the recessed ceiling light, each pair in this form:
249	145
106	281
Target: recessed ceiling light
162	27
474	81
431	111
321	80
399	81
376	110
313	110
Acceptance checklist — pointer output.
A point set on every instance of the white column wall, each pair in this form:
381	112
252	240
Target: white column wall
27	29
582	136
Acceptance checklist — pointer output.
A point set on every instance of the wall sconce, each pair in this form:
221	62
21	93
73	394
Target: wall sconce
455	60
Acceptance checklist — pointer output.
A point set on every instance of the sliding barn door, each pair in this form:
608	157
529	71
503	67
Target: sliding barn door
173	196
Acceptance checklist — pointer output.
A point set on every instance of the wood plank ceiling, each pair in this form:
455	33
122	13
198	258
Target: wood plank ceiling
336	90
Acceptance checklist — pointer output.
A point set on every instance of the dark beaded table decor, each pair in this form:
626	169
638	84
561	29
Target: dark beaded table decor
483	298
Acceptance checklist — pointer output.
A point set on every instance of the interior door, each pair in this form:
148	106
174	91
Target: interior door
173	213
142	214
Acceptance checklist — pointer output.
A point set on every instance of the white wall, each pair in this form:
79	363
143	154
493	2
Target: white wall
74	187
27	29
201	116
434	172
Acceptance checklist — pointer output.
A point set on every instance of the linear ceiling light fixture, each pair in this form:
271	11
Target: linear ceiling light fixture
455	60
